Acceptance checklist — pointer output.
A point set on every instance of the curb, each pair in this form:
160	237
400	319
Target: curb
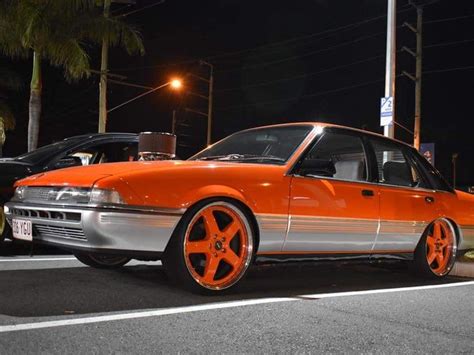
463	269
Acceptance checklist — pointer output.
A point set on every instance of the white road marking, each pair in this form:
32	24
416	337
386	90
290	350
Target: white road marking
211	306
36	259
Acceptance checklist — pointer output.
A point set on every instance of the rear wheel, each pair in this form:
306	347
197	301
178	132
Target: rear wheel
212	248
436	251
102	261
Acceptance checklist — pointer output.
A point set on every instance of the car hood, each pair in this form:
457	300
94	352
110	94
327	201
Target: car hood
87	176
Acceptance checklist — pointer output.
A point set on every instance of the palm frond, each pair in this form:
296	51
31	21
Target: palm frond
10	80
6	116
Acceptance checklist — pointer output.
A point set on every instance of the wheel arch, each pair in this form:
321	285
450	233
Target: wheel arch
231	199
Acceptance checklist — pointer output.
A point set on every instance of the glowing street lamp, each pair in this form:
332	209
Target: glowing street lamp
175	84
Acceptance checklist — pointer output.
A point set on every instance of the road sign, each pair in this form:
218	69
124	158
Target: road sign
428	151
386	111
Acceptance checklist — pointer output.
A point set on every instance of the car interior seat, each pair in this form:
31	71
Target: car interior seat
397	173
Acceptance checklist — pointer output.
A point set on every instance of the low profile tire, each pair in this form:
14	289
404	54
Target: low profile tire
102	261
436	252
212	247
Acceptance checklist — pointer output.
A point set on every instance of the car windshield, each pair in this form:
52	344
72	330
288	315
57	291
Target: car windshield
38	155
272	145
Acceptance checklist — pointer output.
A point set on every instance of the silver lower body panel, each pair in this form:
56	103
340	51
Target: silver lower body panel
96	229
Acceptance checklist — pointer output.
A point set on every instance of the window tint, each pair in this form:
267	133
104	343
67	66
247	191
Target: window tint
106	153
393	166
345	151
436	179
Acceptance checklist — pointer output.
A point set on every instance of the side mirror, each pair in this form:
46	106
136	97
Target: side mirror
67	162
318	167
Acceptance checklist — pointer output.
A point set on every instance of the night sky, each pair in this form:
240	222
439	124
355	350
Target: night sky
275	61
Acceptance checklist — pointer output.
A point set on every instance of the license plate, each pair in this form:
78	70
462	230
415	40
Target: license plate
22	229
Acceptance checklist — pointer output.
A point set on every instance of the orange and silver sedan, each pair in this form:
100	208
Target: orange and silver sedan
283	192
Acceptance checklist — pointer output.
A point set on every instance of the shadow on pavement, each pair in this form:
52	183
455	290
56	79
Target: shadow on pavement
19	248
41	293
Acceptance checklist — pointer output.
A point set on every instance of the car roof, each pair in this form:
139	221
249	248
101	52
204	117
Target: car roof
331	125
102	135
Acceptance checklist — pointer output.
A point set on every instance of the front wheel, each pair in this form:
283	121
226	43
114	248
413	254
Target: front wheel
436	252
212	247
102	261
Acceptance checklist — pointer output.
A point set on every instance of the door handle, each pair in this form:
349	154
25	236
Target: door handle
368	193
429	199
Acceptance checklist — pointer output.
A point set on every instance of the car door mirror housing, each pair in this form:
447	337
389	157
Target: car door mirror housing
317	167
66	162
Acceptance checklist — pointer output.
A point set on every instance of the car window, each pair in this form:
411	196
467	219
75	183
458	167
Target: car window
106	153
345	151
273	145
436	180
393	166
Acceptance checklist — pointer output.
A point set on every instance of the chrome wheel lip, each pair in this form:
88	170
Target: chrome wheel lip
244	220
454	248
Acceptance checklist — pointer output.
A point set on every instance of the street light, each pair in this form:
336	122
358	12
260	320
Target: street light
175	84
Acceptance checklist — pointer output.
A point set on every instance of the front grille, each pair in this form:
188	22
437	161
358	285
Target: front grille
38	193
59	232
57	215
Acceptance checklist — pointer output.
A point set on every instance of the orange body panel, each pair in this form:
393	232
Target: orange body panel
334	209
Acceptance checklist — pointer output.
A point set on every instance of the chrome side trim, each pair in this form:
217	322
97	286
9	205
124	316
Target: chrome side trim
399	235
467	237
117	208
297	233
273	230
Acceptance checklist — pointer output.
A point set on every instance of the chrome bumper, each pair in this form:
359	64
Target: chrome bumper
97	229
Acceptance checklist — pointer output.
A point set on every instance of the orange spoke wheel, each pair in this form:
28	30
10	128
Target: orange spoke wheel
218	245
440	246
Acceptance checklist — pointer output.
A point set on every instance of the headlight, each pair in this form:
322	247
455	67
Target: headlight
19	194
67	195
103	196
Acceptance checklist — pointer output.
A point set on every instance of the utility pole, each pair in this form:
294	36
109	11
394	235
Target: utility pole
389	130
173	123
103	76
209	101
454	157
418	55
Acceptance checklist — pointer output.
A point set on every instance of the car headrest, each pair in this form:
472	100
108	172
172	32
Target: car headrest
397	173
349	170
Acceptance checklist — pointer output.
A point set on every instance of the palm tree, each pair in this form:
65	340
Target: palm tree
9	81
57	31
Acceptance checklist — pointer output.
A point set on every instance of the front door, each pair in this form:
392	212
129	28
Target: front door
333	207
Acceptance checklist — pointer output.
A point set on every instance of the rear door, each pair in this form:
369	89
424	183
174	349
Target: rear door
407	204
335	213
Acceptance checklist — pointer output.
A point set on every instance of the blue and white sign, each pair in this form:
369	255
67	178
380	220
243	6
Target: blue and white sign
386	111
428	151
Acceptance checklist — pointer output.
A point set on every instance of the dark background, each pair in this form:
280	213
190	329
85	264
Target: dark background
308	77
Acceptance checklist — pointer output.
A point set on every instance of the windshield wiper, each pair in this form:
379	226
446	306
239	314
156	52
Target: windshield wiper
243	157
223	157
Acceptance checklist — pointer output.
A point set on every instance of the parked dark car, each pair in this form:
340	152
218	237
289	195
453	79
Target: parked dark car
74	151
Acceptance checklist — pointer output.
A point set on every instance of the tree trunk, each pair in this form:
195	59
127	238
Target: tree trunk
35	103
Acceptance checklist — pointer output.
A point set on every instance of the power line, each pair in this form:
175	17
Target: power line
302	76
295	98
321	93
449	43
448	70
142	8
308	54
448	19
272	44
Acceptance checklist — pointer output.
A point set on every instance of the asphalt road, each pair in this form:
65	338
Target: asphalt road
52	304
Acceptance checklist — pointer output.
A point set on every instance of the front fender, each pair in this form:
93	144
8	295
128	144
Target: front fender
210	191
